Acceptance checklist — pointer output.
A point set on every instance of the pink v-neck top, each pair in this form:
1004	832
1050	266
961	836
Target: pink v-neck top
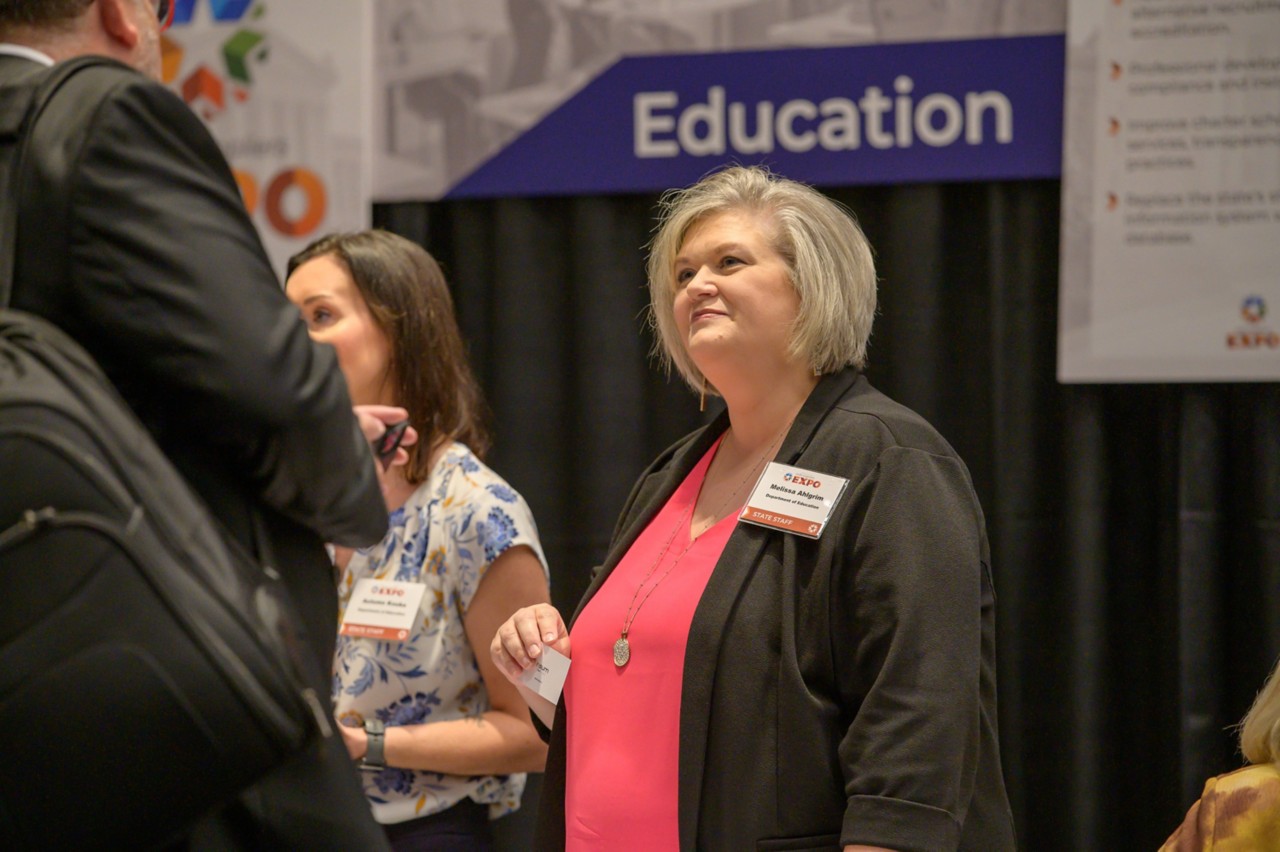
623	724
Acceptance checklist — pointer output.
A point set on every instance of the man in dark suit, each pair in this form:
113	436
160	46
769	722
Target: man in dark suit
133	239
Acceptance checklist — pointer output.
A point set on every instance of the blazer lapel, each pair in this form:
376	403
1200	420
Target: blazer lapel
735	567
652	494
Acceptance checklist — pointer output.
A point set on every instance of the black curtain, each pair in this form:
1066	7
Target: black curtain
1135	528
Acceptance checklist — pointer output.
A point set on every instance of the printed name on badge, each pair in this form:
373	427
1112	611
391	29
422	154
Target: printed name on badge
382	609
793	500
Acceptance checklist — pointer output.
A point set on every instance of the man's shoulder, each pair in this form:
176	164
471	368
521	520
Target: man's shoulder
102	81
92	84
107	116
17	69
83	91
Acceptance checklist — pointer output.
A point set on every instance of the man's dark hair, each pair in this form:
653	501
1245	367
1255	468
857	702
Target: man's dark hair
39	13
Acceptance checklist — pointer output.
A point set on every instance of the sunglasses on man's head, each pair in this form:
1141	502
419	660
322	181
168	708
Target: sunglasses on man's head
164	13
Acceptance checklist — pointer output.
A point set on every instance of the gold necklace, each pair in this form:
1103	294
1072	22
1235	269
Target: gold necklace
622	647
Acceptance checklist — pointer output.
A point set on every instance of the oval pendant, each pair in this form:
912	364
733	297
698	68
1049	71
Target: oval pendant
621	652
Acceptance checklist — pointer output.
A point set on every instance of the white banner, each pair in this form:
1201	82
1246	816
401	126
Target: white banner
281	85
457	82
1171	192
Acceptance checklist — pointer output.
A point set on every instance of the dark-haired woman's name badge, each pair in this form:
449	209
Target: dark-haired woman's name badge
793	500
382	609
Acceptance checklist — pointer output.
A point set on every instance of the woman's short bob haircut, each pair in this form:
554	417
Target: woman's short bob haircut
828	256
407	295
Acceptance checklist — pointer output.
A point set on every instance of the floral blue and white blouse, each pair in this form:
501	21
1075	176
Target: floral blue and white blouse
446	536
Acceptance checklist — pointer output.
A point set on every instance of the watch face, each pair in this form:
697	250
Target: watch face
374	726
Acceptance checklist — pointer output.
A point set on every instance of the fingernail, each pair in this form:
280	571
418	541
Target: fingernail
549	637
534	651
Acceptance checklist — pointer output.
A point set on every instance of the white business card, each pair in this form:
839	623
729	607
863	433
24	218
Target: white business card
546	676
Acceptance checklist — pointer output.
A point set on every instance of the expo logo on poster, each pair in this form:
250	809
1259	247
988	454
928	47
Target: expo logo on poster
307	188
1253	309
1254	335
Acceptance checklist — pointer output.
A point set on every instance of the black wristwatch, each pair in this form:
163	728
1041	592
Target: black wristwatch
375	756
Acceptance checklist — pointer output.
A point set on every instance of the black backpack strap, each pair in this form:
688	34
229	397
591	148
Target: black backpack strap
21	103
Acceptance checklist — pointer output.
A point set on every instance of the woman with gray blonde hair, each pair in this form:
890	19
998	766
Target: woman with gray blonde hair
790	644
828	258
1241	809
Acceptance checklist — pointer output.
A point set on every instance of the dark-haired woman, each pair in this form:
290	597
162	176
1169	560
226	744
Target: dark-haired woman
442	738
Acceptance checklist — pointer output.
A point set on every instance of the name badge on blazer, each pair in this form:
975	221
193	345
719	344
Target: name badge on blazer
793	500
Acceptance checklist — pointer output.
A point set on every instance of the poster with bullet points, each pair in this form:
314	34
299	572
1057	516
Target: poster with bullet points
1171	192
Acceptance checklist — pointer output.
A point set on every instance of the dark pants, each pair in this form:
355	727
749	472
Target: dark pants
461	828
313	802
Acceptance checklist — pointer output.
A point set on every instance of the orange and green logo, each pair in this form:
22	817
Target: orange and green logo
217	80
205	89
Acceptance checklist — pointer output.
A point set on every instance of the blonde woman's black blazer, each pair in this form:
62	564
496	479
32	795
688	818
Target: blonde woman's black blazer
841	690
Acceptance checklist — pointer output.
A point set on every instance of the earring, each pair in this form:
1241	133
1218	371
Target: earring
702	397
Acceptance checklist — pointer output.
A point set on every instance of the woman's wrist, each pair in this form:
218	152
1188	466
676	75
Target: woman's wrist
375	755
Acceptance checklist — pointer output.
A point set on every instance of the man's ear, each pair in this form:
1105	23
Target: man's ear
117	17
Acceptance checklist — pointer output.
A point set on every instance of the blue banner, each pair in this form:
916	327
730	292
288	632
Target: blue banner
977	110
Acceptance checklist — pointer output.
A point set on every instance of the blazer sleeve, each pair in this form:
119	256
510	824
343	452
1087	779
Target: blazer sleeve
907	630
170	269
